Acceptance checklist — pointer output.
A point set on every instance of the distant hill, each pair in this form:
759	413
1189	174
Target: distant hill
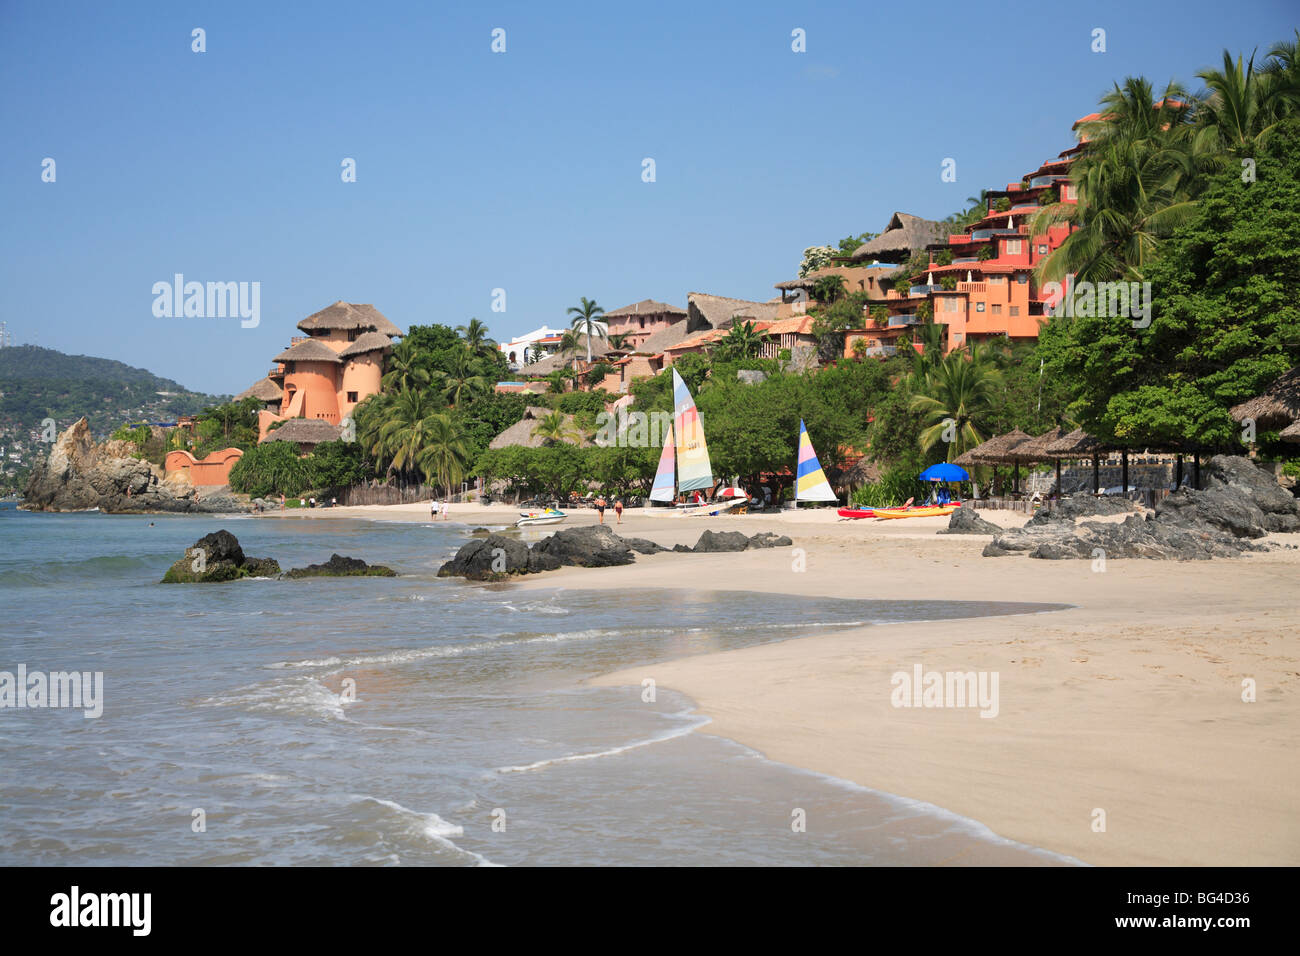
42	383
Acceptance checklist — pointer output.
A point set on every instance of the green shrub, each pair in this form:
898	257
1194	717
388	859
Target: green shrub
271	468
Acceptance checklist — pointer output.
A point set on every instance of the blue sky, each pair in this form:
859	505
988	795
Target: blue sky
520	170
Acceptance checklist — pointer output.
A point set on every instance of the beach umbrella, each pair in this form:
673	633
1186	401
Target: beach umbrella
944	471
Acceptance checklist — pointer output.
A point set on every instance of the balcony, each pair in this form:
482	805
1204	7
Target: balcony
1045	181
902	319
971	286
965	259
924	289
881	351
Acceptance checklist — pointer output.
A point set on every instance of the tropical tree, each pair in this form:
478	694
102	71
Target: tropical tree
585	316
405	433
405	368
1243	105
554	428
954	398
463	379
475	334
742	341
618	340
444	457
828	289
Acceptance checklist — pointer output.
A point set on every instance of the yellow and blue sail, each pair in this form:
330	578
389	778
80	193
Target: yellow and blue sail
810	482
665	476
694	470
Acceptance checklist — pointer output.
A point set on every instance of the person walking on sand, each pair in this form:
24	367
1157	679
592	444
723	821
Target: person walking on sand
434	508
618	509
445	503
282	501
600	509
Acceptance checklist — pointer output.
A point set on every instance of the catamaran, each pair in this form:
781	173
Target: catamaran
684	464
810	482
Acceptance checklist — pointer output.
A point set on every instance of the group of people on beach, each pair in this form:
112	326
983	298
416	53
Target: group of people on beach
436	508
601	504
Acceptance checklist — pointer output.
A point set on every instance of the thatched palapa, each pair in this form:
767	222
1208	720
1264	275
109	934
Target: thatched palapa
522	431
904	235
994	451
367	342
1278	406
348	316
263	389
1077	444
309	350
305	431
1035	449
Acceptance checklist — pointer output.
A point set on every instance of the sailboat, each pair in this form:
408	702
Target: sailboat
810	482
684	463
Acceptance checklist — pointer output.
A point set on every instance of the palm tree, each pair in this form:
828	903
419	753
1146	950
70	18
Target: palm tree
475	334
828	289
742	341
933	336
403	368
464	379
956	394
554	427
405	433
1244	104
369	417
618	340
585	315
445	456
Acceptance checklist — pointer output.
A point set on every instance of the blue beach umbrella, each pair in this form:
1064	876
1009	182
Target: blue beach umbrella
945	471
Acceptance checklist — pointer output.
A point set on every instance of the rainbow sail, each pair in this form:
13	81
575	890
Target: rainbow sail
663	486
693	467
810	482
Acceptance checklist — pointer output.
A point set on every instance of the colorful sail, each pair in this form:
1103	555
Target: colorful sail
810	482
693	468
663	486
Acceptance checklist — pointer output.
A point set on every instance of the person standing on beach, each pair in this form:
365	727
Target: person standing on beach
618	509
600	509
434	507
282	501
445	503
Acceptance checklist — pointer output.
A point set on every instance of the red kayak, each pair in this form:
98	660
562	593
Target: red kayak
871	512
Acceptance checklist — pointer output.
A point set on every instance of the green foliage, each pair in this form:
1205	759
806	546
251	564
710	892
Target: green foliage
849	244
828	288
335	464
743	341
943	257
894	487
948	283
1002	204
272	468
986	253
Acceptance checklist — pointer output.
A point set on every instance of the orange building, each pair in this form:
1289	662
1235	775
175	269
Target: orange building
212	470
639	321
327	372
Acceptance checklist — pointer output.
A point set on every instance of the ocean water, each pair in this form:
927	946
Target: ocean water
410	720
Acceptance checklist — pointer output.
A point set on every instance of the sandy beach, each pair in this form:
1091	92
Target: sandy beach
1121	734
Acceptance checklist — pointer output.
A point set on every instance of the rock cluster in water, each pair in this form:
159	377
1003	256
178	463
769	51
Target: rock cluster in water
595	546
218	557
1239	504
80	474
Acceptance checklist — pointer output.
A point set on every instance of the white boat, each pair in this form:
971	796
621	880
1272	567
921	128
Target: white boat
529	519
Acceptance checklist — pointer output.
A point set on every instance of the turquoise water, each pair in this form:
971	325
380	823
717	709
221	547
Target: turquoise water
471	739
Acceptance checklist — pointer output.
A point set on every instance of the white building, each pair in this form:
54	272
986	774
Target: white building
541	341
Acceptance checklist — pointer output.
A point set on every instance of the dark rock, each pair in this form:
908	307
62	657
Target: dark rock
218	557
966	520
592	546
712	542
488	559
80	474
541	561
682	549
642	546
766	539
339	567
1078	506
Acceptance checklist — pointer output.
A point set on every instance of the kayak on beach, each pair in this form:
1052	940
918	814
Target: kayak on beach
893	512
921	511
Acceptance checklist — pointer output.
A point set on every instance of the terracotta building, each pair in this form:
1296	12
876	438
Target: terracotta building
641	320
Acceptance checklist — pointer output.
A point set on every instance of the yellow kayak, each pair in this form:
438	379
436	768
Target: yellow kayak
924	512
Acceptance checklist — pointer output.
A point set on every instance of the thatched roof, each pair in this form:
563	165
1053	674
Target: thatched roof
1036	448
306	431
665	338
994	451
861	472
645	307
1291	432
521	432
904	235
1279	405
805	283
309	350
263	389
558	360
718	311
367	342
349	315
1077	444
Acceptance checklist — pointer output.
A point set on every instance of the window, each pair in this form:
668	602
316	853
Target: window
352	397
951	304
1042	248
1014	247
997	280
979	306
1015	310
352	334
997	310
1022	278
1067	192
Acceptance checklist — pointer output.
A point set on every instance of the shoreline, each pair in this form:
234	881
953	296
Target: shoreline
1128	702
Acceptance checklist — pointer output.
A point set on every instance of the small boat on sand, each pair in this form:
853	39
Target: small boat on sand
530	519
922	511
875	512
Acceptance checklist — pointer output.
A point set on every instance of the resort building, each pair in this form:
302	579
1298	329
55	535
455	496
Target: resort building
531	346
325	373
639	321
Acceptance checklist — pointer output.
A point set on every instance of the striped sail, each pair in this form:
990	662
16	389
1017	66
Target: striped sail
810	482
663	486
693	467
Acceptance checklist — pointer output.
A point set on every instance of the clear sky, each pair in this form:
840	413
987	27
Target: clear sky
519	170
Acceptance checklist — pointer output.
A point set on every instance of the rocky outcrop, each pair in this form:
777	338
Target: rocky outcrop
80	474
1081	506
341	567
1239	505
966	520
218	557
594	546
